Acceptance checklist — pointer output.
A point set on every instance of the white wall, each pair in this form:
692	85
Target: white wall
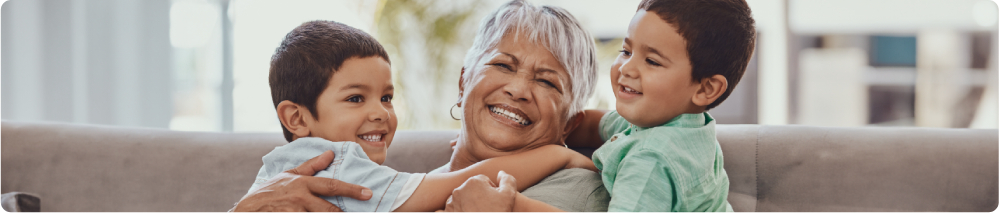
94	61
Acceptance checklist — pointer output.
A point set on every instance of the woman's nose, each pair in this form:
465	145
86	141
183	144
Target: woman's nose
518	89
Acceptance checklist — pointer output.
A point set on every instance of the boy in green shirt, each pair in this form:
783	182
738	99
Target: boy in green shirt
680	58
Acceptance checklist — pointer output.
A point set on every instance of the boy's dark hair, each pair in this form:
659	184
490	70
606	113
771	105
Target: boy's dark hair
309	55
720	36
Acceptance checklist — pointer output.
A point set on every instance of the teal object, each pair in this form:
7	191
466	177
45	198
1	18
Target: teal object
674	167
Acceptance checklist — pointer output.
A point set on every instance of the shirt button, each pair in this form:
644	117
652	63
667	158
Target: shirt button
613	138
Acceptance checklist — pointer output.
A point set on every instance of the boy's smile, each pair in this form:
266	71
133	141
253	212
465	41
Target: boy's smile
652	75
357	106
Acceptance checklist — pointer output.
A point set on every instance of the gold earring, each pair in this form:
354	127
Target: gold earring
452	112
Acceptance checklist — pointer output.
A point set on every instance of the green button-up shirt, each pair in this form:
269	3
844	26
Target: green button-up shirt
677	166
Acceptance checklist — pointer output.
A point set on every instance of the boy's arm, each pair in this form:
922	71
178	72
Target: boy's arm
528	168
587	135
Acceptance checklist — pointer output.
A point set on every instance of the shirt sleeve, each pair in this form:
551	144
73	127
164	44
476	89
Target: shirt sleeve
262	177
350	165
612	123
407	190
642	184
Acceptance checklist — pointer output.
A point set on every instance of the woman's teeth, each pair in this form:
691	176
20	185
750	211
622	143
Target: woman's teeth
629	90
372	138
510	115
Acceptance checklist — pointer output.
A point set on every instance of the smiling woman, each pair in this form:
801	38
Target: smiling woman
524	83
519	101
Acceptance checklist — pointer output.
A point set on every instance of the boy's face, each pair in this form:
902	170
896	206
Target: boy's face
652	75
356	106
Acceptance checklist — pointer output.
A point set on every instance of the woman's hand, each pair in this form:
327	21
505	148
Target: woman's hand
479	194
297	190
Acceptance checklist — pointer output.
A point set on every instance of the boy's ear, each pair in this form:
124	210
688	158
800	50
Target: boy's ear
573	123
710	89
292	117
461	85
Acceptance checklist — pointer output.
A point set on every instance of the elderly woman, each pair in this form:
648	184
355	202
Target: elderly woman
524	83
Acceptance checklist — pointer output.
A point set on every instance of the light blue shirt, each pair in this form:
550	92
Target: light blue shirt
350	164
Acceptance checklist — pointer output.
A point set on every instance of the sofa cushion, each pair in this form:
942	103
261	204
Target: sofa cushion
102	168
805	168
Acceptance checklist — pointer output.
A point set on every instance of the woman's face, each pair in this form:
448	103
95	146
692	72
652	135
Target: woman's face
519	104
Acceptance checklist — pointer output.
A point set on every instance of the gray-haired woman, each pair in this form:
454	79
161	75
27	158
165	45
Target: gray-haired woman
536	63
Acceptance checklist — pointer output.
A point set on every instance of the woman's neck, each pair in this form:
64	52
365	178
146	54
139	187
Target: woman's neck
462	156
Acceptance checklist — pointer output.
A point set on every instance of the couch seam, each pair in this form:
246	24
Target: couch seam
756	167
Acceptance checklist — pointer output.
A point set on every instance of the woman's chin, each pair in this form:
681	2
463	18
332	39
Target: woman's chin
503	144
501	139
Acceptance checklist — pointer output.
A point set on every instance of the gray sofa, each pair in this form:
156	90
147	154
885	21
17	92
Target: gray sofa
76	167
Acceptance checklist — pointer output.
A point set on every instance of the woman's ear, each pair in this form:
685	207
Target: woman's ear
292	117
709	90
461	85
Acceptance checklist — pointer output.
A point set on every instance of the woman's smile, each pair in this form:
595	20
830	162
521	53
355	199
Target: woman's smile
509	115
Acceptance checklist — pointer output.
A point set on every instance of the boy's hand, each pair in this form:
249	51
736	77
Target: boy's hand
480	194
577	160
297	190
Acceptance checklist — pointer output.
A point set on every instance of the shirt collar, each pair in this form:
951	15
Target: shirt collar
687	120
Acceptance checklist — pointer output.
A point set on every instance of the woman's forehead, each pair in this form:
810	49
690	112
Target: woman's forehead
520	49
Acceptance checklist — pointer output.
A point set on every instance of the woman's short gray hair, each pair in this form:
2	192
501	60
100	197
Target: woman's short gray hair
552	27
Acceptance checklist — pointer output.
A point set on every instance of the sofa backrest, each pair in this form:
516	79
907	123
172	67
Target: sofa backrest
77	167
807	168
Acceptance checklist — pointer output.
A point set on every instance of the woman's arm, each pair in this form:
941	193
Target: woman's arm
529	167
587	135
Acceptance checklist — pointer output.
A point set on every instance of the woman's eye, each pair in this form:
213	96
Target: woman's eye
504	66
549	83
653	63
625	52
355	98
387	98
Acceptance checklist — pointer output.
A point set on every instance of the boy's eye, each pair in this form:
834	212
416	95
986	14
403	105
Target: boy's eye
653	63
625	52
387	98
355	98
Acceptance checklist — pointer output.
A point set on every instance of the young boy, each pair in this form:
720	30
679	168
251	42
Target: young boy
331	82
680	58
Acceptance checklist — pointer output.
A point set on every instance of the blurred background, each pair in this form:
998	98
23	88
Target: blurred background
201	65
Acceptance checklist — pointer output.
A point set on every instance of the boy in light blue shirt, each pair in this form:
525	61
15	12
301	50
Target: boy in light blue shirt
679	59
